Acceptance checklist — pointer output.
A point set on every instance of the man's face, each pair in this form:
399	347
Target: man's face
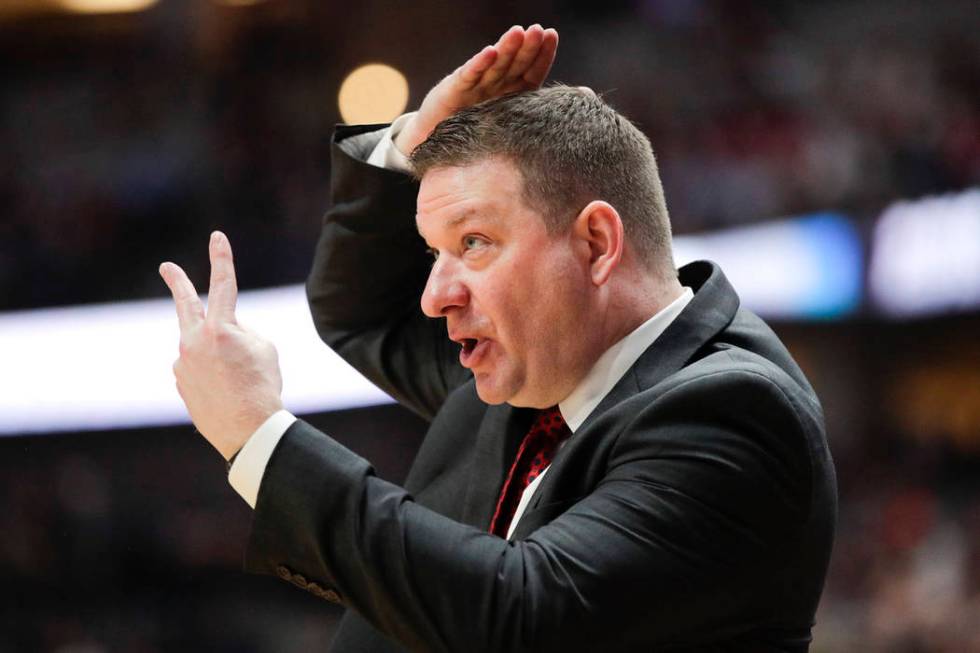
513	296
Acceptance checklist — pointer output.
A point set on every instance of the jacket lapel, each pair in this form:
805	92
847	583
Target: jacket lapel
710	311
500	435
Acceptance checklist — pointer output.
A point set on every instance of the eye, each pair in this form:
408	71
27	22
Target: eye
433	252
473	242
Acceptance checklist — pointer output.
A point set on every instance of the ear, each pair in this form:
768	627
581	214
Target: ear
599	226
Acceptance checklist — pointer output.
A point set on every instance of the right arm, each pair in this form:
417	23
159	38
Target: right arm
368	273
371	266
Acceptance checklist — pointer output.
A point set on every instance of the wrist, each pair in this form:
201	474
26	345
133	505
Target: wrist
245	428
405	135
406	141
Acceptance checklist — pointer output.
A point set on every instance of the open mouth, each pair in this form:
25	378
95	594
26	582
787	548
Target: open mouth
472	351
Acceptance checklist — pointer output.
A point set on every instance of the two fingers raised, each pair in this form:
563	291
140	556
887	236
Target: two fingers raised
223	292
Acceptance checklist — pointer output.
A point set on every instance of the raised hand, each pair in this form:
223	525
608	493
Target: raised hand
518	61
228	377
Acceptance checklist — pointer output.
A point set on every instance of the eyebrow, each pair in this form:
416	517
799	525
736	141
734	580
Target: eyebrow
468	214
465	216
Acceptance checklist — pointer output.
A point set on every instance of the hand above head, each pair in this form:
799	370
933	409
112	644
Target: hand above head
228	377
518	61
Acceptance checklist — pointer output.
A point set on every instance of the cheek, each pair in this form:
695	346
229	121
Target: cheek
554	310
564	286
539	305
570	321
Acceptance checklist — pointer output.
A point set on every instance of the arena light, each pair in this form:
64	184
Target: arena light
105	6
108	366
373	93
808	267
925	256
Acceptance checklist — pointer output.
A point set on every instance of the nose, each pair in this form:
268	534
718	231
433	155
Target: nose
444	290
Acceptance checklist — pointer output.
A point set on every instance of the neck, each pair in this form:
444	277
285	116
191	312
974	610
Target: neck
634	300
619	308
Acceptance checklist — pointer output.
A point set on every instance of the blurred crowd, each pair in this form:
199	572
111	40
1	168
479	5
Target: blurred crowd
905	576
759	113
125	146
134	542
124	141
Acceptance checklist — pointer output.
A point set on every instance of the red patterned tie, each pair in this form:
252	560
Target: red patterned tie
535	454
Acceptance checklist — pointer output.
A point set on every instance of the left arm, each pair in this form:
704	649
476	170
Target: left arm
697	510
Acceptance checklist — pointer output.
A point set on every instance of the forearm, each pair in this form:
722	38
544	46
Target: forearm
370	262
368	273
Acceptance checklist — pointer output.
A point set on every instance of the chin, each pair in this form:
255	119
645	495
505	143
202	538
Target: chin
495	396
494	393
490	396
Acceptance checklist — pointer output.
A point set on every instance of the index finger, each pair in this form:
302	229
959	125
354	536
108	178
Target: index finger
190	311
223	292
471	71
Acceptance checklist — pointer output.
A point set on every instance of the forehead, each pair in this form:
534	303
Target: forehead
450	195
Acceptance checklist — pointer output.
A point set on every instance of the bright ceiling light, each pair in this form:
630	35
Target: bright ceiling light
373	93
105	6
109	365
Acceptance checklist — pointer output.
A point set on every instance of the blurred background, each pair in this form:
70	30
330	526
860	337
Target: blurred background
827	154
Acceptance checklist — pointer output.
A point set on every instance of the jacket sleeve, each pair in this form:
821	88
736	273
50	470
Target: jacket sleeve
368	274
696	512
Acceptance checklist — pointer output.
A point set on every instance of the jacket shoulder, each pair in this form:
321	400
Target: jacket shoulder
728	371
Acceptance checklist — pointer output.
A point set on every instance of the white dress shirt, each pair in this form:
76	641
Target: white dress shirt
250	463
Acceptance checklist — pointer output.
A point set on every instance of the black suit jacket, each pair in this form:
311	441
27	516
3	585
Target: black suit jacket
693	511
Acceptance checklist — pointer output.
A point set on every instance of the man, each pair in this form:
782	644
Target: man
620	458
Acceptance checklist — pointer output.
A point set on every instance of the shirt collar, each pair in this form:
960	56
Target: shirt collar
615	361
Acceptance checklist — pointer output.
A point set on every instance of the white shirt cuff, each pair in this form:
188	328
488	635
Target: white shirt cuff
385	154
249	466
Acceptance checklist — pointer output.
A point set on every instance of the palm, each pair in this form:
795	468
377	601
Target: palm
519	61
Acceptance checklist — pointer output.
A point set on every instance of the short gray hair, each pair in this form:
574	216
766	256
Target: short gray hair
570	148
